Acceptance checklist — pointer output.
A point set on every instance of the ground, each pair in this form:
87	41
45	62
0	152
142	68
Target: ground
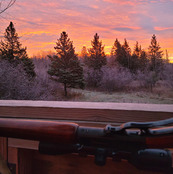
156	97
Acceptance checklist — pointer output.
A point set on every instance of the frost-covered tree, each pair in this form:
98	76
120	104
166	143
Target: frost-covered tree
97	57
14	83
65	66
11	49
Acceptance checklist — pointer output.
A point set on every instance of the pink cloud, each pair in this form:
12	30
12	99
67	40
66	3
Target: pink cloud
163	28
135	2
41	22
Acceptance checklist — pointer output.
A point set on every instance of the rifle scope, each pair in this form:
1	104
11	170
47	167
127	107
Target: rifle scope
152	159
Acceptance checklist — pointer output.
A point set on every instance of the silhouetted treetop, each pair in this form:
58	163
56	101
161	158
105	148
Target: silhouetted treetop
97	57
121	53
11	49
155	54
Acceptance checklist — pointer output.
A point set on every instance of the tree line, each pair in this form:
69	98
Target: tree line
66	67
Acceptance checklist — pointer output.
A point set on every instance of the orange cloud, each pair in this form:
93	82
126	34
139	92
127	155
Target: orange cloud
35	32
39	23
135	2
163	28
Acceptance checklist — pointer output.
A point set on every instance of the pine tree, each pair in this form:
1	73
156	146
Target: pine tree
121	53
116	51
11	49
135	64
97	57
143	61
127	53
167	57
126	46
84	55
155	55
84	52
65	66
137	49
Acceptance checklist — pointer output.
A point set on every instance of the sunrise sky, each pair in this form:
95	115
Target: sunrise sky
40	22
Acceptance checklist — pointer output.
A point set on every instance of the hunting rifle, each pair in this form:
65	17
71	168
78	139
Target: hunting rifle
145	145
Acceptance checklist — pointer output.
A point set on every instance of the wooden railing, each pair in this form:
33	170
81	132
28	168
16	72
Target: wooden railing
24	156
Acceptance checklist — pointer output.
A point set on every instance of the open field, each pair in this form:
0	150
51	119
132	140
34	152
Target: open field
122	97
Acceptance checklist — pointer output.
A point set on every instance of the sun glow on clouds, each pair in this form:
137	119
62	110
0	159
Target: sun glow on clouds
39	23
163	28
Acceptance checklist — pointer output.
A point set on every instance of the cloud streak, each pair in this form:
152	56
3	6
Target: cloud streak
41	22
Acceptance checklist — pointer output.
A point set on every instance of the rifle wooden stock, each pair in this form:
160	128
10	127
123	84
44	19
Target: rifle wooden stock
47	131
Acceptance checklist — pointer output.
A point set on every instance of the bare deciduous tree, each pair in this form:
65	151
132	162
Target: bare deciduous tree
6	4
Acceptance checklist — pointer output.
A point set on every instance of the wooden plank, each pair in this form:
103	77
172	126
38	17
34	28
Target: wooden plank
88	105
4	156
96	112
13	157
4	148
25	144
24	152
31	161
25	160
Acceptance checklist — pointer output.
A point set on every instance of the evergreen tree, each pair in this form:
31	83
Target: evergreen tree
116	51
11	50
137	49
134	64
139	59
126	46
84	55
65	66
84	52
121	53
127	55
155	55
167	57
143	61
97	57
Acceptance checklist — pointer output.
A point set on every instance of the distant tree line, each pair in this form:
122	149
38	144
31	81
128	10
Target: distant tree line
122	55
93	70
136	60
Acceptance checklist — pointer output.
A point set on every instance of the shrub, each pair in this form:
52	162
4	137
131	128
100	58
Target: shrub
92	77
147	79
14	83
168	75
115	79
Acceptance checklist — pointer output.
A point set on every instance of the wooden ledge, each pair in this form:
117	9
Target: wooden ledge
89	105
85	111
